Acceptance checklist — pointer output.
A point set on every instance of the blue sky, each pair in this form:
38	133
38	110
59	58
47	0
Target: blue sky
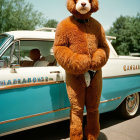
107	14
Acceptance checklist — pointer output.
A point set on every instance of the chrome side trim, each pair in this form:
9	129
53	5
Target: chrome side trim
119	76
35	115
110	100
45	113
34	126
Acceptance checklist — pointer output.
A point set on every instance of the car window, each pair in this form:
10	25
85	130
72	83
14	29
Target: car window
6	58
11	56
36	53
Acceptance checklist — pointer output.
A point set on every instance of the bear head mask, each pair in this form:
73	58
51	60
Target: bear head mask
82	9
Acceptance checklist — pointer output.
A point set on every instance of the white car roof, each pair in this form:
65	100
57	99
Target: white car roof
43	35
32	35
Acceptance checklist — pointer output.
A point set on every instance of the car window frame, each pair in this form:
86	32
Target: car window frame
12	45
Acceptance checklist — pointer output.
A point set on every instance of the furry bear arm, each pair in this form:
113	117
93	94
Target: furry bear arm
72	62
101	55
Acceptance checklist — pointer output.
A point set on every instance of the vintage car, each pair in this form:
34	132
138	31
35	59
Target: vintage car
33	96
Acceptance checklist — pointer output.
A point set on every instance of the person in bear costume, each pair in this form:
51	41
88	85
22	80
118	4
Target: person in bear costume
80	47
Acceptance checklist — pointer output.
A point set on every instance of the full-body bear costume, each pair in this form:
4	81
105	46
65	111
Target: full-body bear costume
80	46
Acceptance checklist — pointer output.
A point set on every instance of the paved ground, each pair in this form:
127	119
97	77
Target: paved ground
117	129
112	128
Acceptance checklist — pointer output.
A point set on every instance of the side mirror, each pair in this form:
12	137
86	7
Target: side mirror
13	68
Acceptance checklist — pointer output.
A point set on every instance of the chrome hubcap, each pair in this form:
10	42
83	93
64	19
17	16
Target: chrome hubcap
132	103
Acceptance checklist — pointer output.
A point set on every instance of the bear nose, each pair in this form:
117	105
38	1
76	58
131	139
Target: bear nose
83	4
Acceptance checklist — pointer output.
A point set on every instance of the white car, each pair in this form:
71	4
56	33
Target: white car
33	95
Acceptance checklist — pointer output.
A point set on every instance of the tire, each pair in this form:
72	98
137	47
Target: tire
130	106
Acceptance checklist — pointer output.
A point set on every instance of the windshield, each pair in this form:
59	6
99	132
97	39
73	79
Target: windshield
3	38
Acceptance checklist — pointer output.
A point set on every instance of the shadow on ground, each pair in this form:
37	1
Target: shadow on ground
60	131
102	136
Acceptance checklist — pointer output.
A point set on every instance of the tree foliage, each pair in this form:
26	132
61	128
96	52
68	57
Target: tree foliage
127	32
52	23
18	15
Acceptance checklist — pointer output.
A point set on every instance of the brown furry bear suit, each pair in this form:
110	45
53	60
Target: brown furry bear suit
80	46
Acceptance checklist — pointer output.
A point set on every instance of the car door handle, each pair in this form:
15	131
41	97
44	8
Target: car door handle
13	70
54	71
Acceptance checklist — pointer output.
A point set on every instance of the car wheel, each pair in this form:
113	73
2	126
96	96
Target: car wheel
129	108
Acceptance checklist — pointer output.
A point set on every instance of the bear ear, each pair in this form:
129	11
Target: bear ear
71	5
94	5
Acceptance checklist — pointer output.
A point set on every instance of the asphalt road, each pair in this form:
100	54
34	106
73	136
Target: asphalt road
112	128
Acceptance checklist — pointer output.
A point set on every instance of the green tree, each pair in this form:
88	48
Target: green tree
52	23
18	15
126	30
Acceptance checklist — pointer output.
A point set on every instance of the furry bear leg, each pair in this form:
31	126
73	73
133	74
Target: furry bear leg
92	128
76	93
92	101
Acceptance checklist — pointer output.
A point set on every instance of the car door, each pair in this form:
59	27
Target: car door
27	93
